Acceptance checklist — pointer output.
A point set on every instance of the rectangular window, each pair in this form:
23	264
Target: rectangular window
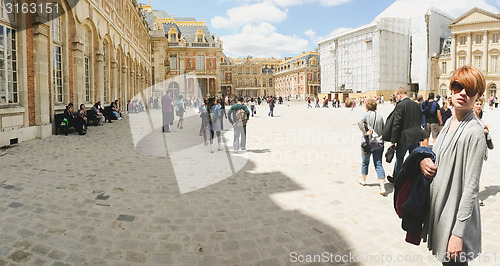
494	64
87	80
56	28
461	61
443	67
477	61
200	62
495	38
173	62
8	66
57	73
462	40
479	38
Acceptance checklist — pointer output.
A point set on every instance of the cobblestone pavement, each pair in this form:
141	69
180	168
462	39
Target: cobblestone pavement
97	200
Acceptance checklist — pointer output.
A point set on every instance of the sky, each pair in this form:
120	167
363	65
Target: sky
282	28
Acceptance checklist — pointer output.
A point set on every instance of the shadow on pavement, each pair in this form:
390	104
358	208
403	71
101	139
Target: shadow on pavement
489	191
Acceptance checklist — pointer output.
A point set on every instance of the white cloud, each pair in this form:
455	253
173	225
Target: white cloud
262	40
310	33
286	3
256	13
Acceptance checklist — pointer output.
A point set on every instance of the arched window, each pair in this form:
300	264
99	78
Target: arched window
200	35
87	55
493	90
443	90
57	57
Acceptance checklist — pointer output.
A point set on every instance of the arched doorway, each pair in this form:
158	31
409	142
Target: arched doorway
173	88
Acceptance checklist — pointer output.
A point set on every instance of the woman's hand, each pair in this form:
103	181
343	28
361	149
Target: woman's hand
428	168
486	129
454	247
369	132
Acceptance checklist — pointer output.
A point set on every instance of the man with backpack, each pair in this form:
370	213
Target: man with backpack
238	116
432	113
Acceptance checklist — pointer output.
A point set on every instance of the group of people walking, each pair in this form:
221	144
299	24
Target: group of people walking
212	113
448	198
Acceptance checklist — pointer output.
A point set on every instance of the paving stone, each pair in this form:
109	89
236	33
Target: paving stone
163	259
20	256
170	248
5	250
57	255
125	218
268	262
89	239
136	257
16	205
57	263
40	250
114	255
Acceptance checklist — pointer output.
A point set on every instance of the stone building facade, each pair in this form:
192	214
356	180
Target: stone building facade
254	76
298	76
92	50
474	41
186	57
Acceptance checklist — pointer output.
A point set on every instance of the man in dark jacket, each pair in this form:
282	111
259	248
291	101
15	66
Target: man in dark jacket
167	110
239	125
406	128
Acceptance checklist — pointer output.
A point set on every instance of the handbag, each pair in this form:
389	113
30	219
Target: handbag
366	144
389	155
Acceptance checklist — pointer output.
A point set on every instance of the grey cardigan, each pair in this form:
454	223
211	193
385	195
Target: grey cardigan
454	204
377	126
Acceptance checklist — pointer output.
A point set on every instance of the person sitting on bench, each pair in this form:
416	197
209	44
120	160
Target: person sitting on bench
74	121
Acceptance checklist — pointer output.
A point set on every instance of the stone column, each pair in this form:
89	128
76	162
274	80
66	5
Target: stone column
41	44
99	65
453	53
124	88
114	80
138	86
468	59
132	83
484	67
78	72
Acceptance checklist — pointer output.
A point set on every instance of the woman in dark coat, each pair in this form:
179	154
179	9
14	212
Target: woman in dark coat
74	120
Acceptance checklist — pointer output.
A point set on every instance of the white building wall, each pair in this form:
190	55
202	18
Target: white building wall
355	60
327	66
394	53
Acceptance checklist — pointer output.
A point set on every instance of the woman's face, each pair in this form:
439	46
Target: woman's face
477	107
